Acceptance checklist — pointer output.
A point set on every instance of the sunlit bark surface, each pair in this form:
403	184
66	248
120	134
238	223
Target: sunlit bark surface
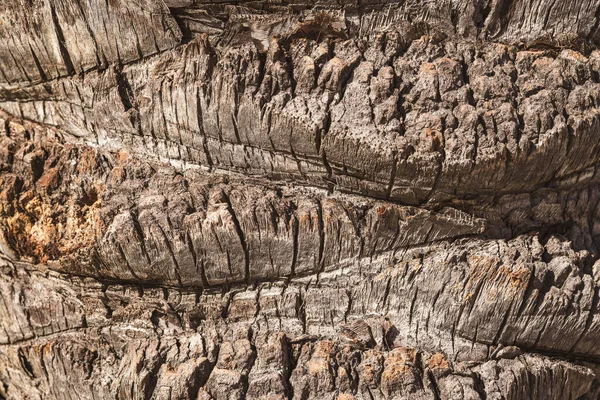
298	200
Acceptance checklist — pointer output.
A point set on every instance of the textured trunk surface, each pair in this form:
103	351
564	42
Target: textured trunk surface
339	200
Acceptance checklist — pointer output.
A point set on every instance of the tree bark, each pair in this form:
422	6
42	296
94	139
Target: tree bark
268	199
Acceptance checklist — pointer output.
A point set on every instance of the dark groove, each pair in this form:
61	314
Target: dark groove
62	46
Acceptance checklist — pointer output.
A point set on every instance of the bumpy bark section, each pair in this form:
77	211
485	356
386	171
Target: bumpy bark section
367	200
395	115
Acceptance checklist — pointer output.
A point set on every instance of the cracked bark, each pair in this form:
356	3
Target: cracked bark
367	200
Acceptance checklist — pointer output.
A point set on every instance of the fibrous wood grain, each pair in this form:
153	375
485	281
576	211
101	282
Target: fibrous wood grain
329	200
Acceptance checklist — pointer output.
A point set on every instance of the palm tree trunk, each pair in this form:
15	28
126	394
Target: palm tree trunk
267	199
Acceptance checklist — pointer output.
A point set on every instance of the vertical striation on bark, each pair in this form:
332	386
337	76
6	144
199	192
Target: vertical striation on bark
299	200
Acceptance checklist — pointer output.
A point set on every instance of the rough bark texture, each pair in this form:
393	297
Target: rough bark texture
275	200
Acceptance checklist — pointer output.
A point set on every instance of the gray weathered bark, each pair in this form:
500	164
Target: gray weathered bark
268	199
